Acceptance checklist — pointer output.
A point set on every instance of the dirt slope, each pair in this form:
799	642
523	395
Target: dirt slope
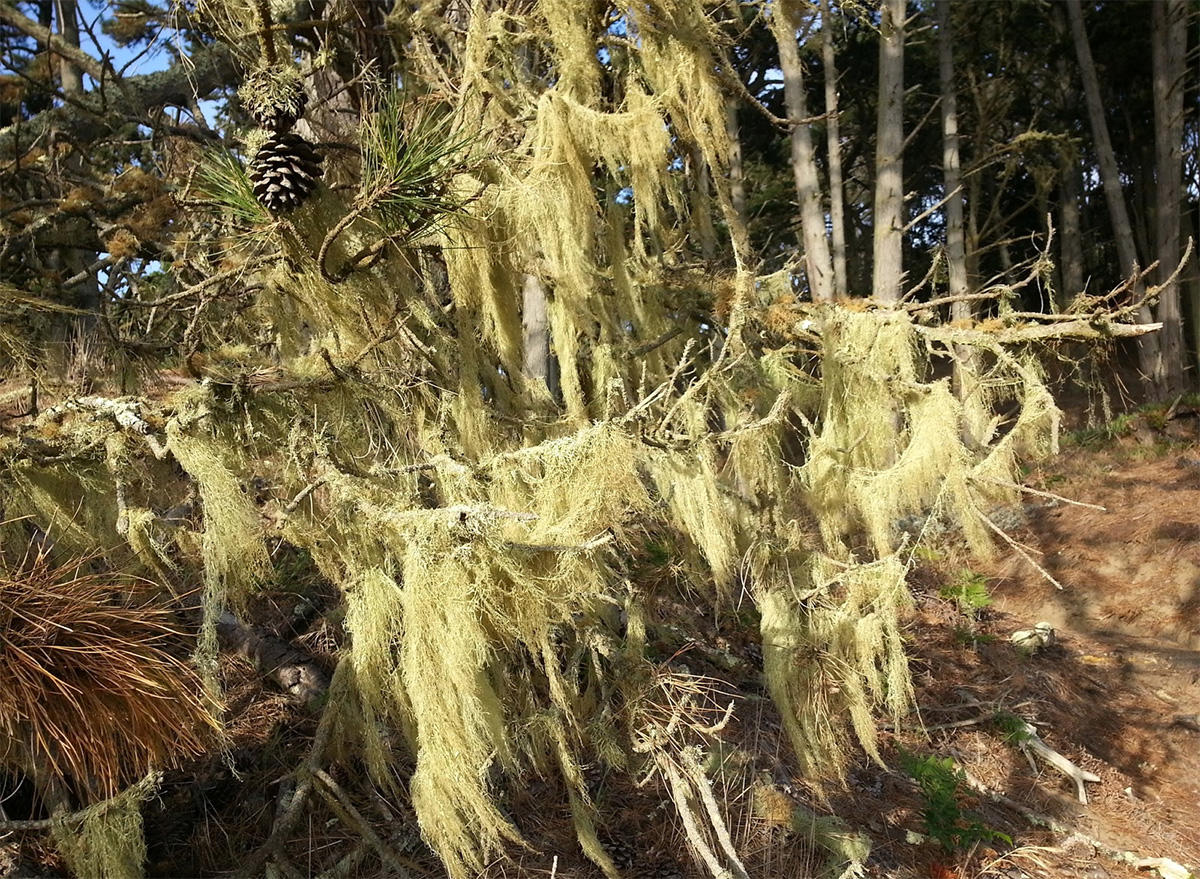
1128	620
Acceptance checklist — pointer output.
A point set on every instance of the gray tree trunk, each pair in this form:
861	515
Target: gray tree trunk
1169	44
818	265
956	250
1070	232
1148	359
956	243
889	172
737	174
837	211
71	77
699	192
1072	271
535	329
73	261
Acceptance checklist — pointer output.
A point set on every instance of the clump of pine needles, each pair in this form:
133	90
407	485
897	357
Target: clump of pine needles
222	181
411	153
93	692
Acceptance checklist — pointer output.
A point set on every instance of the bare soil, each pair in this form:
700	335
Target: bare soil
1118	692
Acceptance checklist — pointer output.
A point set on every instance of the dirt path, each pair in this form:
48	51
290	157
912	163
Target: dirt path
1120	692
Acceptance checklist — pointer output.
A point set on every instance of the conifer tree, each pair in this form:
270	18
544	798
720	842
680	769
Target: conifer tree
458	323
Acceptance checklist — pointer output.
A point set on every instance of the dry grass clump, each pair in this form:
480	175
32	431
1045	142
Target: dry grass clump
92	691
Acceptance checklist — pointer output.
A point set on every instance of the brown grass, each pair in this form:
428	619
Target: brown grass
93	690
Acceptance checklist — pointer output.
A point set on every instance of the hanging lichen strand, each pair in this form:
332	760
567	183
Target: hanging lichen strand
484	537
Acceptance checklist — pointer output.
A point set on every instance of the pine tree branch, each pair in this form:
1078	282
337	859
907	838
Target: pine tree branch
95	115
10	15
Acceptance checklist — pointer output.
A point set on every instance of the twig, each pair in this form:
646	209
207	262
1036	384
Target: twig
680	795
1020	550
700	780
1030	741
200	286
647	347
931	209
1054	825
148	784
588	546
1097	327
346	866
949	300
125	412
342	225
291	813
295	502
340	802
1049	495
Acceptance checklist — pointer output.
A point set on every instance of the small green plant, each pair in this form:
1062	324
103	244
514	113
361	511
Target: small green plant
969	591
1013	728
221	180
1122	425
411	154
928	553
1099	435
939	780
966	636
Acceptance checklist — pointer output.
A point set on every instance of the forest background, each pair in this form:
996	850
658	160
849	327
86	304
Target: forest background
470	337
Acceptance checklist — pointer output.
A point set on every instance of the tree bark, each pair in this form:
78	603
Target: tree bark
535	327
1070	233
1169	44
74	260
95	115
1148	359
1072	270
737	174
293	671
889	173
70	73
68	51
817	263
699	192
956	246
837	219
956	252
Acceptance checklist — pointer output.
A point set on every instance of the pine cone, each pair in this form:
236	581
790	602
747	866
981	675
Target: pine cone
283	115
284	171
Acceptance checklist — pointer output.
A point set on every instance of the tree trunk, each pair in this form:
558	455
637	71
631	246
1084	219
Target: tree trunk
817	263
737	174
70	76
1148	359
833	140
1070	234
1072	270
1169	43
889	173
699	191
956	253
535	328
74	262
956	248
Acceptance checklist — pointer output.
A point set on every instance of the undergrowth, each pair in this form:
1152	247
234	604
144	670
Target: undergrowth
940	781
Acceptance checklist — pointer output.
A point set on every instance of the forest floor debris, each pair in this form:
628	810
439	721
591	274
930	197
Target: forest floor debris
1112	691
